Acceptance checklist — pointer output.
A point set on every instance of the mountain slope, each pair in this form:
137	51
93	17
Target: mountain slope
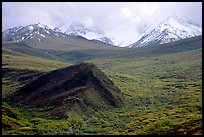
91	32
171	30
78	88
42	36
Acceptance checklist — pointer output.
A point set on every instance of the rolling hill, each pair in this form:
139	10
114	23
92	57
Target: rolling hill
83	86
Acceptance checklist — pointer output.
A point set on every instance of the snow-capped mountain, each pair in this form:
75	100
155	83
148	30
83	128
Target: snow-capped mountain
37	30
88	32
173	29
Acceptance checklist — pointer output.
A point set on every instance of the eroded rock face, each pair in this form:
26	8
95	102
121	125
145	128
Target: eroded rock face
80	87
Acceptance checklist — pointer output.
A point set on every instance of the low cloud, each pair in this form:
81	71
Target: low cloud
125	12
150	8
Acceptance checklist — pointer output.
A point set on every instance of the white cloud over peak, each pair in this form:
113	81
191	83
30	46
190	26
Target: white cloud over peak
128	14
88	21
150	8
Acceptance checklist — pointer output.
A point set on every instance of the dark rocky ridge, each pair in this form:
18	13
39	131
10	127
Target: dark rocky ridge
81	87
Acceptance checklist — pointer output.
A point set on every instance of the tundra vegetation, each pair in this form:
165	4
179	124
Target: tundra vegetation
161	86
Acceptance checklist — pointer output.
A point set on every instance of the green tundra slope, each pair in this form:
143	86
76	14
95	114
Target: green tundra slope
78	54
161	85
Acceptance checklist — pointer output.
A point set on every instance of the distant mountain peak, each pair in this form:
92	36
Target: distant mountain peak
81	29
31	31
181	19
88	32
172	29
39	25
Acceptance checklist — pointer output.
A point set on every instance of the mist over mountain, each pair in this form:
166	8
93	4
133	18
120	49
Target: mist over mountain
89	32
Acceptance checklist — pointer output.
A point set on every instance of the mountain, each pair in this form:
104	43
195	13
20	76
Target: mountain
89	32
37	33
79	88
173	29
34	31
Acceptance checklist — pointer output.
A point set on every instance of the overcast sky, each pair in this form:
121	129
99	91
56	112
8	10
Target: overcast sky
115	18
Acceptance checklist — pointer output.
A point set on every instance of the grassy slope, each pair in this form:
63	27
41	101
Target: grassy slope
68	44
15	60
71	53
163	88
16	65
25	49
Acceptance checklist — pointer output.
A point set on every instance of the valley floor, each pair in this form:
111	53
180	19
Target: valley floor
163	96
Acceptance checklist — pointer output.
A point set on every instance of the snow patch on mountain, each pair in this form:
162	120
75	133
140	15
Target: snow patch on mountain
42	35
31	28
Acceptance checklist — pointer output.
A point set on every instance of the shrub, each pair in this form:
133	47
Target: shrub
26	129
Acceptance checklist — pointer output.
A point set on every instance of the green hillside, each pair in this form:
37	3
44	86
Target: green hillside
68	54
68	44
161	85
